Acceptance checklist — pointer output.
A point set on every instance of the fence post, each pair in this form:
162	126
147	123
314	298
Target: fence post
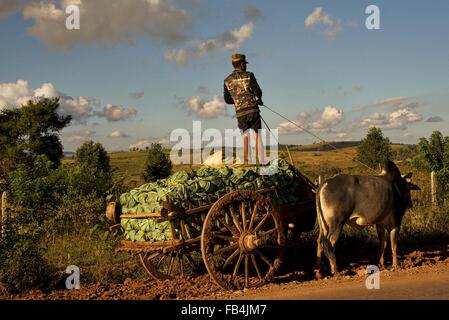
3	216
434	188
320	180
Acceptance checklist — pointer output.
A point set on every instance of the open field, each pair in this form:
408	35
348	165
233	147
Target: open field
129	165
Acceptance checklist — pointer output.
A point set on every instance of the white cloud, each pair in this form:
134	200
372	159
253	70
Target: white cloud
179	56
289	127
343	136
142	144
81	108
400	102
118	134
397	102
77	137
207	109
304	115
329	118
229	40
14	95
116	113
107	22
319	19
163	141
398	119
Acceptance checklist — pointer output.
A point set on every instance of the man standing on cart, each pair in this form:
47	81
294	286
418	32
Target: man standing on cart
242	90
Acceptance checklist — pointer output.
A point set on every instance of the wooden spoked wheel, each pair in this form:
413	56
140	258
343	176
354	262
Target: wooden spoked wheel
163	266
242	240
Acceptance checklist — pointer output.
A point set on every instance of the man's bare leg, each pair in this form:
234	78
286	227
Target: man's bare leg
259	148
245	148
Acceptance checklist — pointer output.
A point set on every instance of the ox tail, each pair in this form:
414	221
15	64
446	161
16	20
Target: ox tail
323	226
320	217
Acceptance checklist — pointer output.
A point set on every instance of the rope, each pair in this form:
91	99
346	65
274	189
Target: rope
314	135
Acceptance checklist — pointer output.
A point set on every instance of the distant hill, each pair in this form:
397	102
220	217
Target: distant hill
322	146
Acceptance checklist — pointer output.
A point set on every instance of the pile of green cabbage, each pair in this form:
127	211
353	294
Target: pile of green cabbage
201	186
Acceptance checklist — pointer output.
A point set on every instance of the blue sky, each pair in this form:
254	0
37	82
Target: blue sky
332	75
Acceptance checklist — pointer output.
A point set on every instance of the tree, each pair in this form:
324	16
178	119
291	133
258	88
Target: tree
434	156
157	164
94	156
92	174
32	130
374	149
435	151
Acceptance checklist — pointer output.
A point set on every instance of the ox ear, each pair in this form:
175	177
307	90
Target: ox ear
408	177
412	186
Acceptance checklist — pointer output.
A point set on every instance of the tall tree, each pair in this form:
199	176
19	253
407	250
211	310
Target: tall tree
92	174
157	164
435	150
31	130
94	156
374	149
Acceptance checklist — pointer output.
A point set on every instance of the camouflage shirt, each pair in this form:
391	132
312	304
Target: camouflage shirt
242	90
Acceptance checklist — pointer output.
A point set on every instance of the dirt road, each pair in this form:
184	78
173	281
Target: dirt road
420	283
424	275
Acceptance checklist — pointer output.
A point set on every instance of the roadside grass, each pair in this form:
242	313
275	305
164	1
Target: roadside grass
96	258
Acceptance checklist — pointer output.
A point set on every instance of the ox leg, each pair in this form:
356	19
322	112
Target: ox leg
382	242
319	252
329	245
394	233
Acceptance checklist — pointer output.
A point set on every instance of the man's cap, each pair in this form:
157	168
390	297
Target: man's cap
239	57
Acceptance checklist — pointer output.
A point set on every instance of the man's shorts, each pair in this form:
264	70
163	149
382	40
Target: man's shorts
249	121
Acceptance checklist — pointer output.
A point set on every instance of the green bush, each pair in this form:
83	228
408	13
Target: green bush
22	264
38	185
374	149
157	164
77	214
24	268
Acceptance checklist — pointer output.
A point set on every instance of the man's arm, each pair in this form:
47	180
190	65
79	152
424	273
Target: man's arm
227	96
255	87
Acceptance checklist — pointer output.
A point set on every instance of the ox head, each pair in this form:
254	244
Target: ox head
402	183
407	179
